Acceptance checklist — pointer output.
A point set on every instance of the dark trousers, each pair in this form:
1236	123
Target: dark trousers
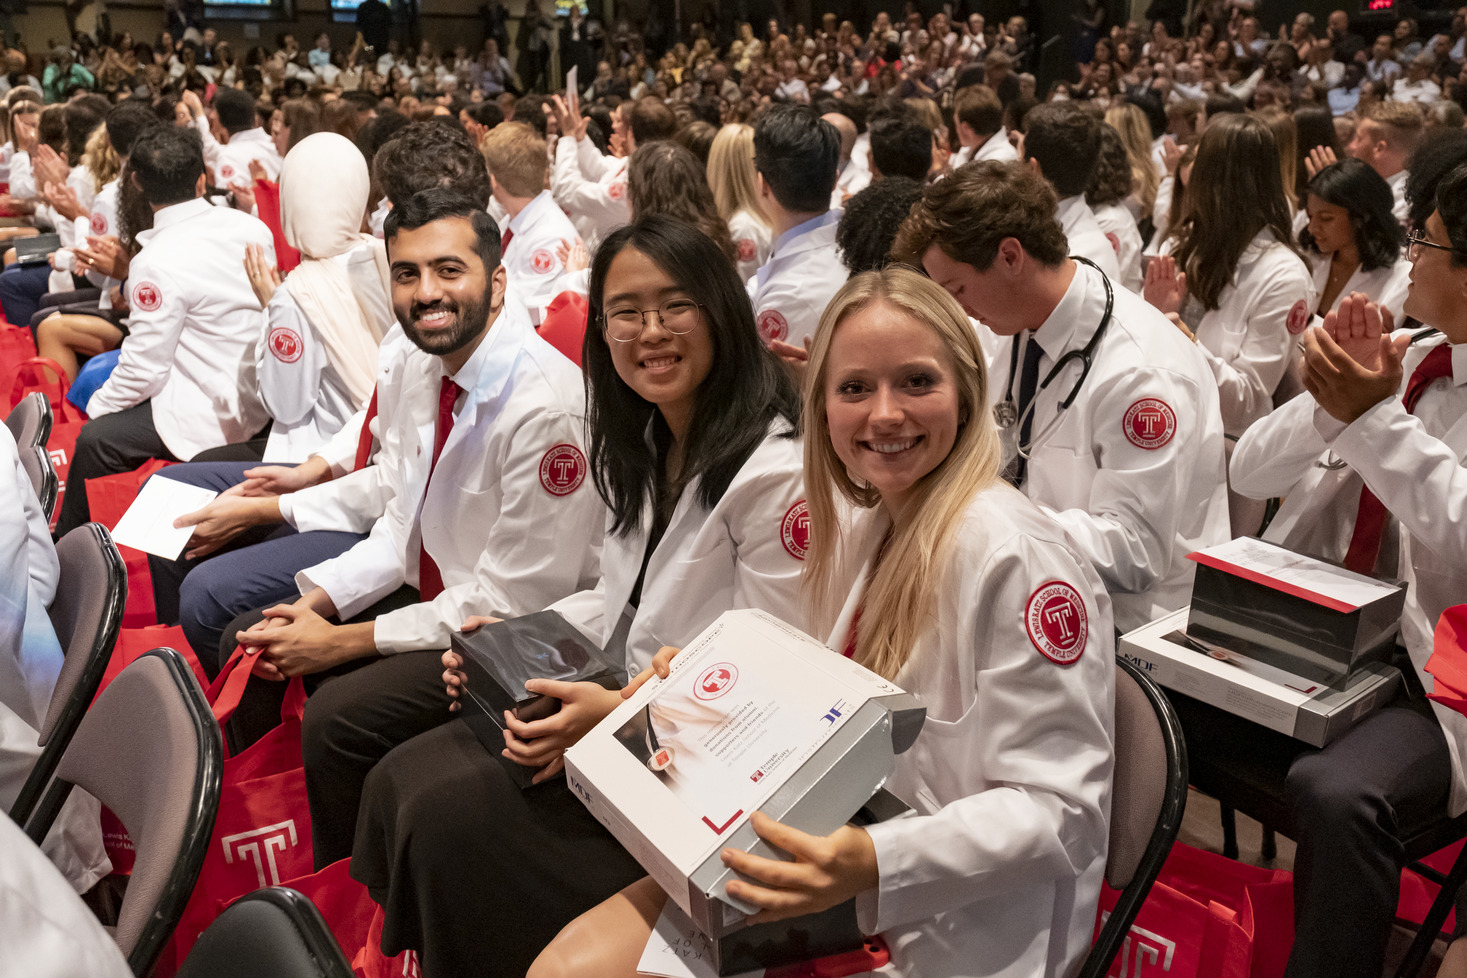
255	570
21	288
108	445
1347	806
259	710
472	871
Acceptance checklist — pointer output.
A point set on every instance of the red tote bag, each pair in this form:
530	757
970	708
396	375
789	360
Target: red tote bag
17	345
1208	917
108	497
370	962
263	834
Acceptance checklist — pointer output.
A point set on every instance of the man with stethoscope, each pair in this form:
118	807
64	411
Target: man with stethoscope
1107	421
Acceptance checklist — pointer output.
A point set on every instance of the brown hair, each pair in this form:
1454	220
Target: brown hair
665	178
516	157
979	107
968	214
1236	191
1401	123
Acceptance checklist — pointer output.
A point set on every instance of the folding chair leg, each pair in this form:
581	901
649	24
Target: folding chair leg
1269	848
1230	832
1435	917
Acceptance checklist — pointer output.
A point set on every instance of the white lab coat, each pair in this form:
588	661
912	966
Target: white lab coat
354	498
242	149
510	517
804	272
1134	505
300	387
1386	286
30	661
1087	239
1119	227
1247	339
49	932
753	239
1414	465
591	188
997	147
746	552
193	321
999	873
22	176
531	262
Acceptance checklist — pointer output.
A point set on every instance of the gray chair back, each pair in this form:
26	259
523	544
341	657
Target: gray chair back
1147	802
30	421
274	931
86	615
42	474
149	749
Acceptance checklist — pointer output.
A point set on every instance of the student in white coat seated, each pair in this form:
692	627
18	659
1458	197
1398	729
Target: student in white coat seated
734	182
1353	241
1231	271
179	385
693	449
1110	186
926	568
1062	144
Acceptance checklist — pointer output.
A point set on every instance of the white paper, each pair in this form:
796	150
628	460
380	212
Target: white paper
677	949
1290	568
148	523
572	78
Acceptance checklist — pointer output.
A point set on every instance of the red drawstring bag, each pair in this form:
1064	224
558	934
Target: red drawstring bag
564	326
108	497
263	833
1208	917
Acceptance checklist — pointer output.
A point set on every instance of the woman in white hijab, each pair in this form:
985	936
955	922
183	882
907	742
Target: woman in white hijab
317	358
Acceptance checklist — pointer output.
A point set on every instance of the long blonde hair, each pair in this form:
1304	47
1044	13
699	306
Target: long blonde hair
1130	122
899	600
100	159
731	172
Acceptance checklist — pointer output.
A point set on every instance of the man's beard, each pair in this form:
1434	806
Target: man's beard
469	320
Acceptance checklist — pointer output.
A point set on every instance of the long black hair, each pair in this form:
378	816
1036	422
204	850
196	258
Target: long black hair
746	389
1367	198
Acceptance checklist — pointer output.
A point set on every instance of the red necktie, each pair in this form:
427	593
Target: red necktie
430	581
504	242
1370	518
364	441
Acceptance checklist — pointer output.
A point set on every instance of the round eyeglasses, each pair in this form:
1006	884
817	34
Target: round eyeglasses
677	316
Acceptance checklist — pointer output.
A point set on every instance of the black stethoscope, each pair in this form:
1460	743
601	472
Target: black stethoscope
1006	413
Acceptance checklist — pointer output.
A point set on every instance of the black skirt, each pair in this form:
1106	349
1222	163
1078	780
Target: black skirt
473	872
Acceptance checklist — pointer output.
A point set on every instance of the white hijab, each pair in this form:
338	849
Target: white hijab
323	194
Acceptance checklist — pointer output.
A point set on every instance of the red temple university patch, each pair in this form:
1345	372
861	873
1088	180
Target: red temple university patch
146	296
617	191
716	680
98	224
562	470
286	344
1149	423
747	249
542	261
1298	317
772	326
795	530
1056	621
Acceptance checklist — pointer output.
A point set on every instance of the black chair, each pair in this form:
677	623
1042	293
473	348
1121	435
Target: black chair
1147	802
86	615
274	931
38	468
30	420
149	749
